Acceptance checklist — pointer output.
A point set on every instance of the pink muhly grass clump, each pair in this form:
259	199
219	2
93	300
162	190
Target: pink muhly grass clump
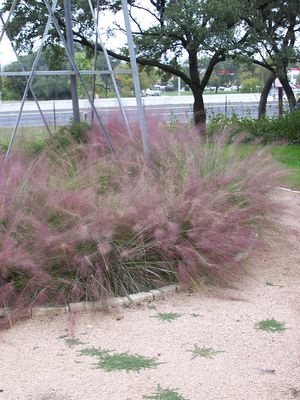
78	224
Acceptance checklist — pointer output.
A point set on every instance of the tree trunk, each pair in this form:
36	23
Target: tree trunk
199	109
264	96
288	91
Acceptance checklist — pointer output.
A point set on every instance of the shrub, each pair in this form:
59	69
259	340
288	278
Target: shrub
77	224
74	132
285	128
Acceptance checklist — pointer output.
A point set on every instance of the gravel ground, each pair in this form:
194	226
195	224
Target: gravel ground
38	362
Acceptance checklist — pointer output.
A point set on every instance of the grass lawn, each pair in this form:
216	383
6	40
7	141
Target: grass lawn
34	135
289	156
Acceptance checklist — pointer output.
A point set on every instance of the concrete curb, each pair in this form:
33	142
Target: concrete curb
114	302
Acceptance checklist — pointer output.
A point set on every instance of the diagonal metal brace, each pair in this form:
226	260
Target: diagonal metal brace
29	81
24	70
75	68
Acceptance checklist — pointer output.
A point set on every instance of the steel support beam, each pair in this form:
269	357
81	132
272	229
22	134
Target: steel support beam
113	78
63	72
70	44
136	81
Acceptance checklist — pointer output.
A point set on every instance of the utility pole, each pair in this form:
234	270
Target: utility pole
73	80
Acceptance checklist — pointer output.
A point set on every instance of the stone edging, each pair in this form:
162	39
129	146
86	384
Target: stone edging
132	299
288	190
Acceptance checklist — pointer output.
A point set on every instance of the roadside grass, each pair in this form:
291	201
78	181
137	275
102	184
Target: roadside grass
120	361
33	137
270	325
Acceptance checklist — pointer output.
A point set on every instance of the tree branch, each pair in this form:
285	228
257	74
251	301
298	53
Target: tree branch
140	60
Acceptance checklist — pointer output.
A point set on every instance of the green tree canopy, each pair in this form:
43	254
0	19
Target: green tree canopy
45	87
272	28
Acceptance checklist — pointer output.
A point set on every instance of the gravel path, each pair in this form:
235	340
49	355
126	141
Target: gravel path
40	359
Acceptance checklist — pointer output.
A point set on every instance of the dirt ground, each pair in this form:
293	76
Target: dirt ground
40	359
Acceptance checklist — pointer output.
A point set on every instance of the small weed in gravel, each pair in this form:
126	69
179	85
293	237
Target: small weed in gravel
120	361
165	394
151	307
73	342
70	341
269	283
195	315
168	316
62	337
206	352
93	352
270	325
272	284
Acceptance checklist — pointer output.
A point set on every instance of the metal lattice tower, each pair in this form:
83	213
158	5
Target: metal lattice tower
75	73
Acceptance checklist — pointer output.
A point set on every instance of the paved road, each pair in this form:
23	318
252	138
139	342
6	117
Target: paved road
161	107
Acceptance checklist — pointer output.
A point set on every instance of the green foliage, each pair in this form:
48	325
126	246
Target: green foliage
147	75
268	130
45	87
250	85
93	352
20	278
165	394
78	131
120	361
33	147
68	134
103	83
31	140
288	155
169	317
271	325
206	352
